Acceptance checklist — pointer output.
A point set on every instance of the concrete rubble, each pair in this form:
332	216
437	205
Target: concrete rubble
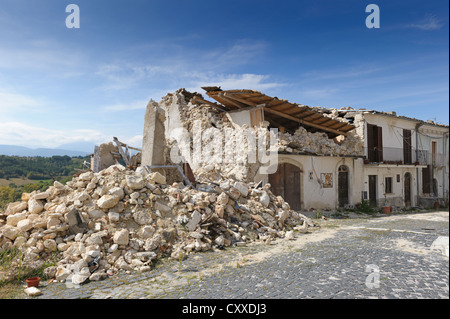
120	220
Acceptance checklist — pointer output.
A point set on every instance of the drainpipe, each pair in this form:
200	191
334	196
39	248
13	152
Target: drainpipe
417	169
444	170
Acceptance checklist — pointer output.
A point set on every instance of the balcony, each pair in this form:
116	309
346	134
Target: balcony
399	156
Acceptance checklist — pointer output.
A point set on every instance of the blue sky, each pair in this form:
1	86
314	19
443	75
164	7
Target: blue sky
60	85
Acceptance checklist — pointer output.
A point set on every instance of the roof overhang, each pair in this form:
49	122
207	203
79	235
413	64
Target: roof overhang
280	113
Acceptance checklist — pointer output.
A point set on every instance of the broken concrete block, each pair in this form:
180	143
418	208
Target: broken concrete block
264	199
16	207
76	222
157	178
242	188
35	206
196	218
143	217
162	207
222	199
86	176
135	182
14	219
117	191
108	201
289	235
121	237
24	225
32	291
10	232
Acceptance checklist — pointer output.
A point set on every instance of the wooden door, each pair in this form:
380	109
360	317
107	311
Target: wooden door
407	187
285	182
407	147
373	190
343	186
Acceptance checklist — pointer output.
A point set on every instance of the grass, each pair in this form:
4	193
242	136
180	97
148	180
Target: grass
15	270
19	181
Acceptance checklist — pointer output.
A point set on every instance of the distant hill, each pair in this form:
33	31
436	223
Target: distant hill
15	150
86	147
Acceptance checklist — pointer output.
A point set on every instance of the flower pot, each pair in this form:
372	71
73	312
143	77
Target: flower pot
33	281
386	209
437	205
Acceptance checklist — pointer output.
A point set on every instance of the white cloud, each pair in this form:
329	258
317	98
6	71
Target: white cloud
186	67
135	141
136	105
13	101
235	81
430	22
17	133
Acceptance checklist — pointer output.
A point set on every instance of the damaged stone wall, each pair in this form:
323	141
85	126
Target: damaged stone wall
205	138
216	148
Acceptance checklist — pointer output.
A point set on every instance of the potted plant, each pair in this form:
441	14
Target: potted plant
386	208
437	205
33	281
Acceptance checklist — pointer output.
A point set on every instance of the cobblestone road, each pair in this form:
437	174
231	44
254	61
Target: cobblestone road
363	257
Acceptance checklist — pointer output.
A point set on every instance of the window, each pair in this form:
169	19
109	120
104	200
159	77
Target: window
433	153
398	178
374	143
388	185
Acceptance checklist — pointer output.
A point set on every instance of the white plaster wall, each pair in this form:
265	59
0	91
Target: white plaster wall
313	195
396	198
240	118
392	134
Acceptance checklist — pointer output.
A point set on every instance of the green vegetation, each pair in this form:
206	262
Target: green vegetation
365	208
15	270
39	168
39	172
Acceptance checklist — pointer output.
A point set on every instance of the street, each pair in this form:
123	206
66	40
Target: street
363	257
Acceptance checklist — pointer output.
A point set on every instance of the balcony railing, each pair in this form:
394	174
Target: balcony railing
399	156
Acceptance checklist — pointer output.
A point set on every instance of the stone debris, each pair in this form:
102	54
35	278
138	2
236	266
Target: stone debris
121	220
318	143
32	291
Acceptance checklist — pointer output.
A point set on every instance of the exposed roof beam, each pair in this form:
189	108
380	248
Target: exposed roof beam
324	128
216	106
229	99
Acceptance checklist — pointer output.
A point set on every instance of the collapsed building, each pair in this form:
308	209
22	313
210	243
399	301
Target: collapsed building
314	157
215	174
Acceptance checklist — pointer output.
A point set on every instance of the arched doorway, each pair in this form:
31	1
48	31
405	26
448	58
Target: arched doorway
285	182
407	188
343	186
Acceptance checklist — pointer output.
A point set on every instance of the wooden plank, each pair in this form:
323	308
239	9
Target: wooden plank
124	156
324	128
231	96
229	100
220	108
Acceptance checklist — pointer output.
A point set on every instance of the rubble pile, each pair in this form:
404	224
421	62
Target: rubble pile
119	219
212	145
319	143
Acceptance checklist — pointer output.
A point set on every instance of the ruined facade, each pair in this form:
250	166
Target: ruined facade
315	158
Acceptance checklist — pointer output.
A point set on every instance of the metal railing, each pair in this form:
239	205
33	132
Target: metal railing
399	156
